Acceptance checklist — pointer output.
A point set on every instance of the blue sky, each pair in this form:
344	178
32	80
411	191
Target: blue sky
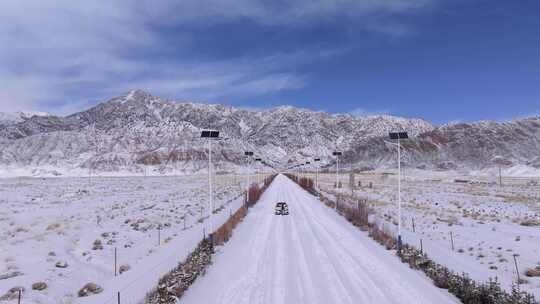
441	60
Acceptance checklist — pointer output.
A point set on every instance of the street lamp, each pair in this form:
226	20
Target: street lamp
249	154
210	135
317	173
337	154
258	177
398	136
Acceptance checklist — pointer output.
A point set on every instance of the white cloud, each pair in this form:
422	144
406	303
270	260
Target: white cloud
57	55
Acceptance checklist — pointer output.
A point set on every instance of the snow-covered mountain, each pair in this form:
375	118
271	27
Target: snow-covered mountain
137	130
13	118
475	146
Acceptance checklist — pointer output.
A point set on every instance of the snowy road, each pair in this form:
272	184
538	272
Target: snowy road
311	256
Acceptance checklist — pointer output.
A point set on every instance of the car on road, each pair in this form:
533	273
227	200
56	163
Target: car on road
282	208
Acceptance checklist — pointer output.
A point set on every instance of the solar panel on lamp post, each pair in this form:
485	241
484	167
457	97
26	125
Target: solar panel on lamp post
398	136
210	135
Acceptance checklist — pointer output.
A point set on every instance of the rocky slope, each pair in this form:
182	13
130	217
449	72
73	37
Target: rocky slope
138	130
459	146
17	117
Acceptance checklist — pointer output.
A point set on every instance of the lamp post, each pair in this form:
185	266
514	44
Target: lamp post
258	177
398	136
337	154
317	173
249	154
210	135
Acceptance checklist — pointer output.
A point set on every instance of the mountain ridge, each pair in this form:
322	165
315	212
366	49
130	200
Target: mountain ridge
137	129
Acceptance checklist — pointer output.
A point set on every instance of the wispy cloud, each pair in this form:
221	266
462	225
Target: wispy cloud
60	55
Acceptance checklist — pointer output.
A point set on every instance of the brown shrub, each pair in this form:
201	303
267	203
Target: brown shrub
224	233
533	272
530	223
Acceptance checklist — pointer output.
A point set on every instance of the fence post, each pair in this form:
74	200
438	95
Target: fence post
413	226
119	297
517	269
201	212
452	240
159	235
115	262
421	247
20	294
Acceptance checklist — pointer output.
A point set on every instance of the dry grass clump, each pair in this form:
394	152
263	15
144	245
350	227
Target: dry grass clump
306	183
530	223
382	236
39	286
533	272
224	233
327	201
254	195
89	289
356	212
53	226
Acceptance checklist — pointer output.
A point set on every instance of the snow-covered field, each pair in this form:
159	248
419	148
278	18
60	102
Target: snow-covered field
489	224
64	231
